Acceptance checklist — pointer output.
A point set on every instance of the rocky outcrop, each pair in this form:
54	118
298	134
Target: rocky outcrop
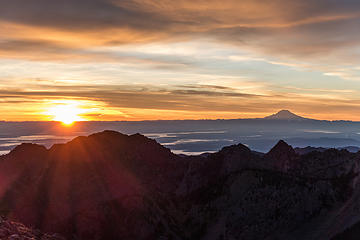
10	230
282	157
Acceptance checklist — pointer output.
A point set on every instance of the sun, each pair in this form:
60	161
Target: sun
66	113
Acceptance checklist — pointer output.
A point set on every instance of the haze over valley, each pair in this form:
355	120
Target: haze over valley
198	136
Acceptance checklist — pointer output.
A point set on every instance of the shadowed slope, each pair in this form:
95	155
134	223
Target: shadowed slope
90	186
282	157
114	186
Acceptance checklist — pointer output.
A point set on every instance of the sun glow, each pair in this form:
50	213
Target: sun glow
66	112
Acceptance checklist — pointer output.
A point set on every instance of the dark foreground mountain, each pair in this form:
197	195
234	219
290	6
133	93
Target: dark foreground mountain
115	186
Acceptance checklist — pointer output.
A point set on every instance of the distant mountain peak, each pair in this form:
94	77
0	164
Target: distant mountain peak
284	115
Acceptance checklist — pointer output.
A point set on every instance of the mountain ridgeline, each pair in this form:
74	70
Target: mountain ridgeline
197	136
114	186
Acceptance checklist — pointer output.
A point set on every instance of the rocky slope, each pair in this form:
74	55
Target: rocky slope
10	230
114	186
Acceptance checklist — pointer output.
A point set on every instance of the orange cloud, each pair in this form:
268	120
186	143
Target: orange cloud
280	27
307	35
185	102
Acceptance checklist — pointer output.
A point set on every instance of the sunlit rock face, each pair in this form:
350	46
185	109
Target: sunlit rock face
114	186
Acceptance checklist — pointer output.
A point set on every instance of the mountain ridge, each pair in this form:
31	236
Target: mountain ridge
110	185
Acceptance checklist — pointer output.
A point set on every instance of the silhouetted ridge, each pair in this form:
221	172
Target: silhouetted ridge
113	137
28	148
27	154
239	148
113	186
282	156
281	146
112	141
308	149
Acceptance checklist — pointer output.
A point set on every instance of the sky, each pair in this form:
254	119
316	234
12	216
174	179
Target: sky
187	59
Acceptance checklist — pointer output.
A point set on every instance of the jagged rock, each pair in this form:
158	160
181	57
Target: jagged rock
282	157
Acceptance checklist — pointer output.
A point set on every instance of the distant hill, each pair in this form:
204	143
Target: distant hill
285	115
309	149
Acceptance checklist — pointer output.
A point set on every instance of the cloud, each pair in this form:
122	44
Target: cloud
37	50
182	102
296	29
142	97
319	37
80	15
